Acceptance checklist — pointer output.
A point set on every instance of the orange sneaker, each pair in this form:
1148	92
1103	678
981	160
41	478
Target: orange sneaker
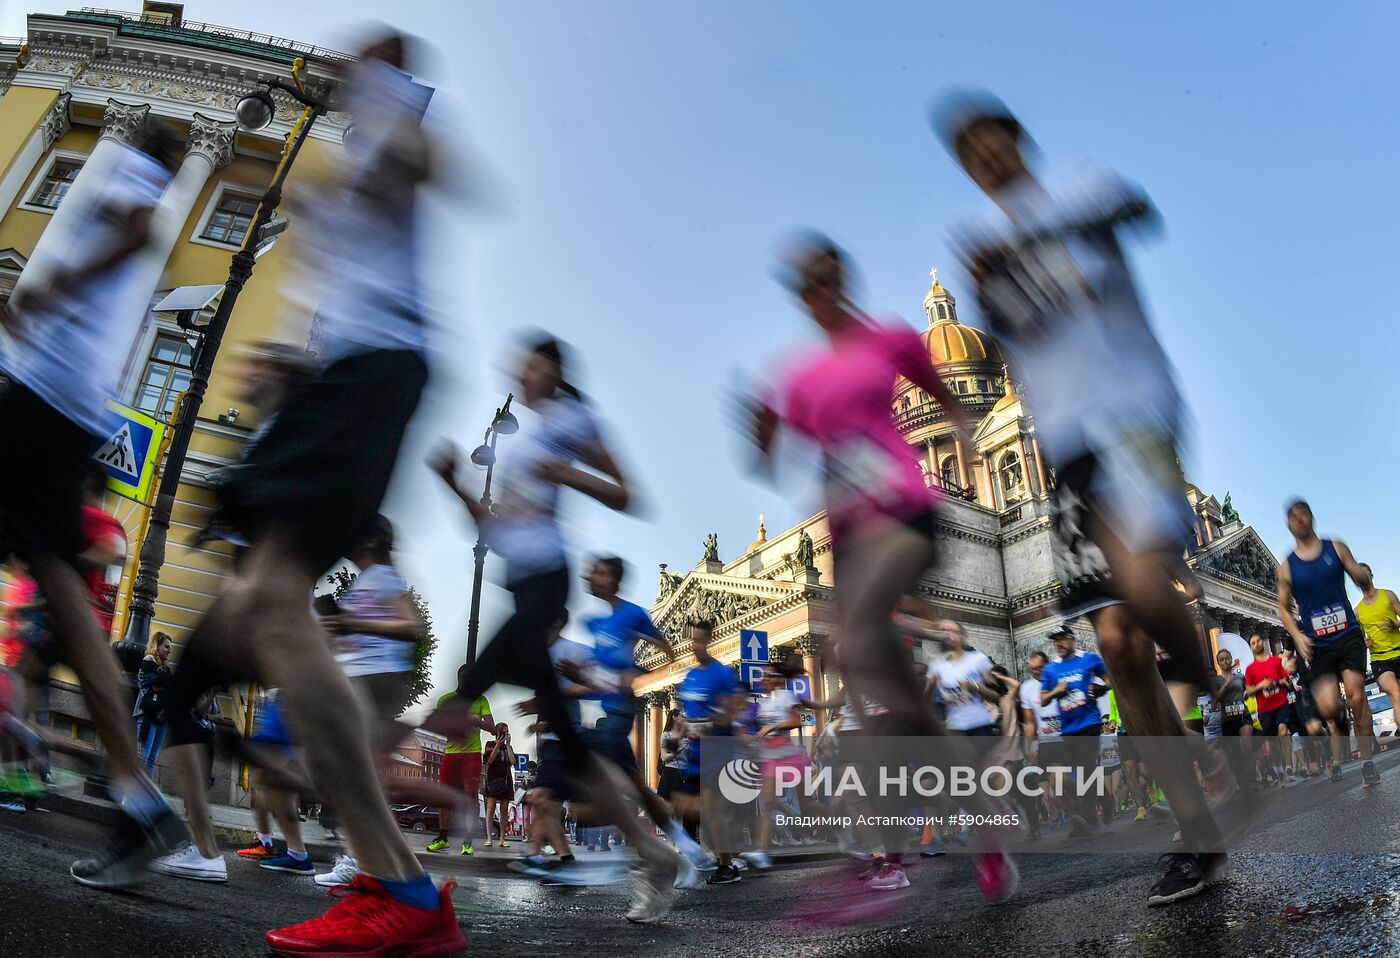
256	851
368	923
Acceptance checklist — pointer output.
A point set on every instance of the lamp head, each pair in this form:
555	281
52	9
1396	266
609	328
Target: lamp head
506	424
255	111
483	456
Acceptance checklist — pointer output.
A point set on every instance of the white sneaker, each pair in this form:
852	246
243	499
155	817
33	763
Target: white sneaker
759	861
655	888
187	862
14	805
688	876
342	872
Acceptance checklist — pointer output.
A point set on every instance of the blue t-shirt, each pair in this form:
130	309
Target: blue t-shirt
615	638
1078	708
700	693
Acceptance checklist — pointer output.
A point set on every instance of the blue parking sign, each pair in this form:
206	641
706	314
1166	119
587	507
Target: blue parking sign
752	674
801	686
522	761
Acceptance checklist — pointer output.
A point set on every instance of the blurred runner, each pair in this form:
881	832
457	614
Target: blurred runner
309	493
1268	681
462	768
1327	632
64	355
1054	285
881	513
1072	684
560	445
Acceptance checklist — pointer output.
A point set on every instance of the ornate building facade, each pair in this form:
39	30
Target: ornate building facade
996	572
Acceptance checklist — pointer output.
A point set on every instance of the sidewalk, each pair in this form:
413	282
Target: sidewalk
234	827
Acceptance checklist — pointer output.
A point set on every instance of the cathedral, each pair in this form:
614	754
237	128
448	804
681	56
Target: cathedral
995	574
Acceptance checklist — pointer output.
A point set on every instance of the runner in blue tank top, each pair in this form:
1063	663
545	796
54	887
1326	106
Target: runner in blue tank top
1326	632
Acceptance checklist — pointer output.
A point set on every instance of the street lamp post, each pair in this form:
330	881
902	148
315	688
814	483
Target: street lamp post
503	423
255	111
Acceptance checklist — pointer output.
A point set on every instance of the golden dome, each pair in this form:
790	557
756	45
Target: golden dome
949	341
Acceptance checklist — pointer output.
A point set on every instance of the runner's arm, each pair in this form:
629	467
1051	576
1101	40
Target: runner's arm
404	626
1285	611
1358	574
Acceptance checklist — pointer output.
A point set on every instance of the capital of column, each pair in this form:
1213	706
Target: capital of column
212	139
57	122
657	700
124	121
807	645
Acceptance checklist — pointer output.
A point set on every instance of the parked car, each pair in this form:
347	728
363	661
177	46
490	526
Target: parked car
1382	716
420	818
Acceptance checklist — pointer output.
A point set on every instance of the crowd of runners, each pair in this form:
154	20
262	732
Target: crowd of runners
1052	280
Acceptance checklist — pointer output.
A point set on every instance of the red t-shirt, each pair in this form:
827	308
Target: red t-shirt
1270	668
99	527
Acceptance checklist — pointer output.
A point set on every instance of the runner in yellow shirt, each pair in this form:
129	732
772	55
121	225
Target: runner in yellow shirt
1379	615
461	768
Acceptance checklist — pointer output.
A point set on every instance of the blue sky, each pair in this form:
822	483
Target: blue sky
646	157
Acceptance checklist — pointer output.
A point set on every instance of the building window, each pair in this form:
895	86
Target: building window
962	386
942	311
1011	476
949	473
230	220
56	184
923	397
981	385
166	375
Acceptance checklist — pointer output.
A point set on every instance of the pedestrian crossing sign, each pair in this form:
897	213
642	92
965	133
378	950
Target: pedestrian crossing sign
129	451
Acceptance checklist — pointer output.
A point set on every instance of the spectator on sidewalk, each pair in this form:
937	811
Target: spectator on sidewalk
152	679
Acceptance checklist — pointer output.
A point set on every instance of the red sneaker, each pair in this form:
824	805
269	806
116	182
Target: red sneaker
368	923
256	851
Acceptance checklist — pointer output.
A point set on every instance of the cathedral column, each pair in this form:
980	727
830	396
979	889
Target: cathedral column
808	648
964	471
991	485
1025	463
656	720
1039	465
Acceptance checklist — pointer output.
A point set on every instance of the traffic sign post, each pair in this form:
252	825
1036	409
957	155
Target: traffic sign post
130	451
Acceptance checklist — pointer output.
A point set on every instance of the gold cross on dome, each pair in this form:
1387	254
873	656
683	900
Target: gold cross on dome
933	275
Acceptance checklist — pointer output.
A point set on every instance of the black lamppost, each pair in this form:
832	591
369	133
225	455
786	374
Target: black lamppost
254	112
503	423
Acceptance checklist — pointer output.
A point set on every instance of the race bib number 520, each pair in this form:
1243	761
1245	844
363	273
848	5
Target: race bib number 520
1329	622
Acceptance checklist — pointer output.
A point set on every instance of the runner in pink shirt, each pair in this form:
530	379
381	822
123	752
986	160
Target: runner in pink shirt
882	515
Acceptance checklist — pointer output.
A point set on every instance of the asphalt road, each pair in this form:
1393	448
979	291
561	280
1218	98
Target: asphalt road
1079	904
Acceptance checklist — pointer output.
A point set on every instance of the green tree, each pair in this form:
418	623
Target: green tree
423	649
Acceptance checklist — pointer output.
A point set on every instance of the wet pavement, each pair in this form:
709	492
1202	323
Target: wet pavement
1273	905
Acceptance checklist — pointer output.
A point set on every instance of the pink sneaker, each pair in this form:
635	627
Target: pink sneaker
997	877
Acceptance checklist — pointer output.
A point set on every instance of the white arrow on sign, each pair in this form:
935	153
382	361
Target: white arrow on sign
754	647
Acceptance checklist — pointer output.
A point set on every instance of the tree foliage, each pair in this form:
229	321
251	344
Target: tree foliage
423	649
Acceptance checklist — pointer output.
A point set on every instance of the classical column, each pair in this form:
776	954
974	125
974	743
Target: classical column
639	738
656	720
120	125
810	650
1026	465
209	148
991	485
964	471
1039	464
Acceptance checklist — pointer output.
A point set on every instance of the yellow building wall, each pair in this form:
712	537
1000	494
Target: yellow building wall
20	229
22	109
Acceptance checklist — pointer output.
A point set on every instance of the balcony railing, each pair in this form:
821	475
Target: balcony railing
162	25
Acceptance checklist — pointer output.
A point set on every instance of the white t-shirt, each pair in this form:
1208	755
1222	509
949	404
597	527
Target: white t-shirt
775	708
70	352
525	527
363	240
1047	726
965	710
1108	750
1069	312
372	596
